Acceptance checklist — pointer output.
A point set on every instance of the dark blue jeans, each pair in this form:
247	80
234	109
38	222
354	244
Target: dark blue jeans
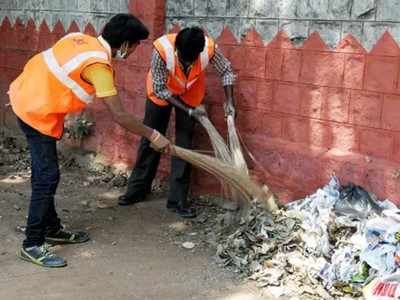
147	160
42	217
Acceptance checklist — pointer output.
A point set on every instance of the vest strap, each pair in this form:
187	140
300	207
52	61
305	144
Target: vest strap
204	57
76	61
190	83
169	53
171	59
63	77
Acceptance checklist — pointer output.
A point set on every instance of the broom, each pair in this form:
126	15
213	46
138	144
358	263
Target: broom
231	175
238	161
223	153
233	156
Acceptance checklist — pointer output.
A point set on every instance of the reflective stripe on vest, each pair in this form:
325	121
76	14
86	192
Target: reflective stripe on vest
204	58
191	83
63	77
181	82
75	62
169	53
171	59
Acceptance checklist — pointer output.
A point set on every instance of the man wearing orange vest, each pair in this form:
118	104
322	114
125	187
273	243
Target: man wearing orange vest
58	81
177	78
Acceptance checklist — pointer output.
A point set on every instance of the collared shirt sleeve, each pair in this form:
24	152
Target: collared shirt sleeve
223	67
160	75
102	78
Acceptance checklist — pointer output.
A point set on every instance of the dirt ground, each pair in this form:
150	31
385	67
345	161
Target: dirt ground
133	252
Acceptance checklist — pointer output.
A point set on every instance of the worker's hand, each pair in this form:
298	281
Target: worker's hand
159	142
229	109
198	112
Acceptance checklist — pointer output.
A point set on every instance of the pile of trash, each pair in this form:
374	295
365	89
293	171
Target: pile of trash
339	242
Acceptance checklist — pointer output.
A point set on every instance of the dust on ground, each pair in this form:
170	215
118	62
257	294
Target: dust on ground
137	252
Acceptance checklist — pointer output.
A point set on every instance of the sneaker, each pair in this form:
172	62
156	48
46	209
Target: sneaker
187	213
42	256
67	237
126	200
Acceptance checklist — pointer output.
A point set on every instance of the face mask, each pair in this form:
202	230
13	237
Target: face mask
122	52
120	55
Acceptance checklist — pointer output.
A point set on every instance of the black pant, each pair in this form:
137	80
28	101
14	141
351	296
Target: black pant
42	216
139	183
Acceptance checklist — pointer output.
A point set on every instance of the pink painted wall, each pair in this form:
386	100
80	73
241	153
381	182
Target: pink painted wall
305	113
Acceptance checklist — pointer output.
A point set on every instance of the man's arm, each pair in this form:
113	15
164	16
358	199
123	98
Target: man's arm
134	125
229	105
160	75
101	77
223	67
125	119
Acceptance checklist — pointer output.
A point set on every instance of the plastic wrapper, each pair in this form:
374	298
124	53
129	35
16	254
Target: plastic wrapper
316	213
383	288
357	202
342	268
381	245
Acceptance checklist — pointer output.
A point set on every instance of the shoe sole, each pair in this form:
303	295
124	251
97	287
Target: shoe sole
35	262
175	210
137	200
187	217
131	202
54	242
126	203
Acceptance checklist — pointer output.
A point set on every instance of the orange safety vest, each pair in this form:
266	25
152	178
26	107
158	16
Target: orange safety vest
190	88
51	86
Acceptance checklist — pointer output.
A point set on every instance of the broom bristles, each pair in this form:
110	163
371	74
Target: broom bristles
237	157
223	153
235	148
234	177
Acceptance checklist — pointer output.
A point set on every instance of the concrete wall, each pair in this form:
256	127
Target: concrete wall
23	36
365	19
313	100
82	12
305	112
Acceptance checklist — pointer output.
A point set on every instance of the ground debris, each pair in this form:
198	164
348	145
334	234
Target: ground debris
188	245
85	203
179	227
267	249
13	154
102	204
15	157
307	250
119	181
281	252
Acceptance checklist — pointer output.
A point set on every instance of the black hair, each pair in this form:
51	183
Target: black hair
124	28
190	43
